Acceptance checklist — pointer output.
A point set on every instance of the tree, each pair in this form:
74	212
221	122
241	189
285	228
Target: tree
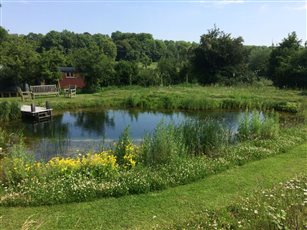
106	45
3	34
97	68
168	71
19	61
148	77
126	72
258	60
50	61
219	57
286	63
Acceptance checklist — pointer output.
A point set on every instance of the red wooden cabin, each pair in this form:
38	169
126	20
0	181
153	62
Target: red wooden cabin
71	77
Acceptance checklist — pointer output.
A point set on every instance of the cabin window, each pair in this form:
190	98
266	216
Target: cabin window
70	75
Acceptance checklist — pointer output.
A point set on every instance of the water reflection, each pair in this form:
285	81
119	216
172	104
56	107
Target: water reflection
73	132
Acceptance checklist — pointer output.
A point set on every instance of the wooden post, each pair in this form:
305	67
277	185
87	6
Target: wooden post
47	105
32	107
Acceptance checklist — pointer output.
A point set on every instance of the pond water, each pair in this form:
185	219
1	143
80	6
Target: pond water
76	132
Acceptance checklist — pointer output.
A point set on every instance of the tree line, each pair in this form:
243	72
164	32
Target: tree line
130	58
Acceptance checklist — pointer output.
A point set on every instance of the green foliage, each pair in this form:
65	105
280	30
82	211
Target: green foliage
148	77
35	184
19	61
96	67
9	111
3	34
258	60
219	58
202	137
120	147
163	145
254	126
50	61
288	65
168	71
126	73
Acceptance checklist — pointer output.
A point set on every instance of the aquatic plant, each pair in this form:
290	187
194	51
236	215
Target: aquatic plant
202	137
255	125
163	145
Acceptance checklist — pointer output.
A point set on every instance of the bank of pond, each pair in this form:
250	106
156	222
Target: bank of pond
131	152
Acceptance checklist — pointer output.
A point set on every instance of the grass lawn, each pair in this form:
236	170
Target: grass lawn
160	209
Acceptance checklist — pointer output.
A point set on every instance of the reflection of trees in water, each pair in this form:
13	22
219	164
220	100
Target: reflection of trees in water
54	138
94	122
48	129
133	114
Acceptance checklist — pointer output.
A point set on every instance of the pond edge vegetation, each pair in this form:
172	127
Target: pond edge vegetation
165	159
188	97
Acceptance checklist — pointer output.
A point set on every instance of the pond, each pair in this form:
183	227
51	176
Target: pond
70	133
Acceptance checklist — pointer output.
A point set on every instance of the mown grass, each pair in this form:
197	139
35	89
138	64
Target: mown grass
188	97
280	207
161	209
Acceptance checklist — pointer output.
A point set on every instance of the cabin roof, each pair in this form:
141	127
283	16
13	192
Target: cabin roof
67	69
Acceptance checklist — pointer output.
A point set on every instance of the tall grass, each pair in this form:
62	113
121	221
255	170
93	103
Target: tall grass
202	137
163	145
169	142
9	111
255	125
200	102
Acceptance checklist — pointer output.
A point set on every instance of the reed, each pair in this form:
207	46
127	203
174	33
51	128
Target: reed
257	126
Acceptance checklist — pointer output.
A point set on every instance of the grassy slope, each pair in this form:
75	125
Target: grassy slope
161	208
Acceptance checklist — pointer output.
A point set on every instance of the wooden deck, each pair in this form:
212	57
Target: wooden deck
40	113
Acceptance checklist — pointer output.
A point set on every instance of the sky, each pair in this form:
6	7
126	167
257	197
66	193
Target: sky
259	22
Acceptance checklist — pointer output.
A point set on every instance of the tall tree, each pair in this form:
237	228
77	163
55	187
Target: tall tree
219	57
282	61
19	61
126	72
97	68
49	64
258	60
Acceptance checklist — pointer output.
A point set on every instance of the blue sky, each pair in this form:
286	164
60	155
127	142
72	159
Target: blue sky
259	22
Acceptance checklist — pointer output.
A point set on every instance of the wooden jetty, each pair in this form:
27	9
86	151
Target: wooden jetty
35	113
